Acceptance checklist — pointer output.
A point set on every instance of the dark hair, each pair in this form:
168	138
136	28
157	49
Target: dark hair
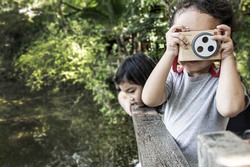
135	69
219	9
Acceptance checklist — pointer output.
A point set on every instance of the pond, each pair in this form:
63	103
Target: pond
54	130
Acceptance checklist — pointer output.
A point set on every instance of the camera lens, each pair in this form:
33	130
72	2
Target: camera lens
203	46
210	48
205	39
200	49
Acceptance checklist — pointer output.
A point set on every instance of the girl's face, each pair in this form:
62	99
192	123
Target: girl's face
133	92
195	21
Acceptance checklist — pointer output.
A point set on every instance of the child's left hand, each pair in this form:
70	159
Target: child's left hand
226	46
124	102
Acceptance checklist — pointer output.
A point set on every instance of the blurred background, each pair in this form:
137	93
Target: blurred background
58	103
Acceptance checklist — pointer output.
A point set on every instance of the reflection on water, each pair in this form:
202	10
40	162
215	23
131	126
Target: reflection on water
42	130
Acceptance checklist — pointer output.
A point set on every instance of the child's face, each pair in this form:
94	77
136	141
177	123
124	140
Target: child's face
195	20
133	92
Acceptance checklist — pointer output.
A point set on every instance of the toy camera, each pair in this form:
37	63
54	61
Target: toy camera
201	46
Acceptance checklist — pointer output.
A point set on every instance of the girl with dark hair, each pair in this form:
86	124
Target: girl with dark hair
131	77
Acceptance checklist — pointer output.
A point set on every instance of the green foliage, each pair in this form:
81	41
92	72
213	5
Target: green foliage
57	62
74	43
243	50
16	32
105	12
245	6
48	61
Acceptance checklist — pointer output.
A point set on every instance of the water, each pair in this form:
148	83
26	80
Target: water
53	130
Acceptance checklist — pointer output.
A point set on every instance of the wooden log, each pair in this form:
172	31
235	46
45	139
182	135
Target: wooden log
156	146
223	149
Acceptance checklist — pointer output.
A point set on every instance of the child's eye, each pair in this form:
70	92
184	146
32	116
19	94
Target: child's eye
131	91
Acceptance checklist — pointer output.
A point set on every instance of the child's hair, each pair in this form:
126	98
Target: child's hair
219	9
135	69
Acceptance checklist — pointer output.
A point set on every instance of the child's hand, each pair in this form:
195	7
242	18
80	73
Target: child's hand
124	102
247	141
174	39
226	46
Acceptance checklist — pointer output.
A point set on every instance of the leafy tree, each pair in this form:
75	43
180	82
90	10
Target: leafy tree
59	44
241	37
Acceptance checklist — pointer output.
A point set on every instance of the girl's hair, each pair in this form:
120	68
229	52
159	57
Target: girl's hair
219	9
135	69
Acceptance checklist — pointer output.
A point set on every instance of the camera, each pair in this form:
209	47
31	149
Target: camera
201	46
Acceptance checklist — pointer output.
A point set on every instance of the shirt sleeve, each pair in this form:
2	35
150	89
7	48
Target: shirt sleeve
169	83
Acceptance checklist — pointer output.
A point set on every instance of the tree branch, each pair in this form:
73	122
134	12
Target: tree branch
167	5
72	7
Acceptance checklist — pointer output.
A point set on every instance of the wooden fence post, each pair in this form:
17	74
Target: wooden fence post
223	149
156	146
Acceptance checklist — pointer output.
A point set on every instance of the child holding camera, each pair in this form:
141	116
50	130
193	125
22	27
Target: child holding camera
198	98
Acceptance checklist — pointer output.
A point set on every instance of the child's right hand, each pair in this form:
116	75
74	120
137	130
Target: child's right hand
174	39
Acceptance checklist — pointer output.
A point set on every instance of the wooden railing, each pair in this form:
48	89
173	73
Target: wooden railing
223	149
157	148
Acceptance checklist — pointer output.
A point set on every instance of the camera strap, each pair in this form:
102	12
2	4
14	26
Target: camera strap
176	66
178	69
214	71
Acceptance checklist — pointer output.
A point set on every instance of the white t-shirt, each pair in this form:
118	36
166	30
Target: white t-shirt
190	110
